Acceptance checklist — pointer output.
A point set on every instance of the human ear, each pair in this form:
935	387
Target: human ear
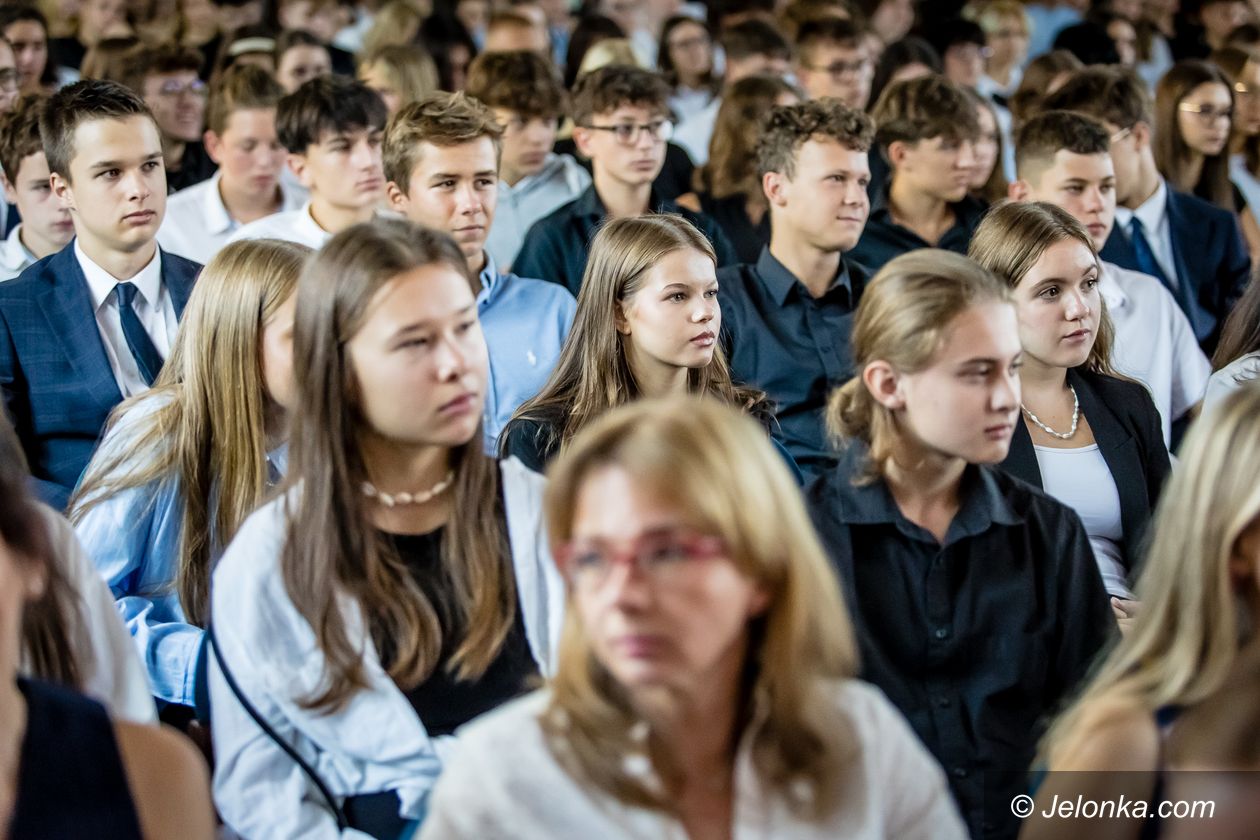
214	146
62	189
897	153
297	164
1018	190
398	200
884	384
619	318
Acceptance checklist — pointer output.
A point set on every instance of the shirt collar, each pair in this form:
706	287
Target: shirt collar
306	223
983	503
213	211
489	278
14	255
1151	212
780	282
546	173
148	280
967	210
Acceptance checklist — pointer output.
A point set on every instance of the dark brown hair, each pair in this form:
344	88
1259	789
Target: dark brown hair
519	81
331	549
1034	86
19	135
1171	151
732	165
921	109
240	88
790	126
327	104
611	87
78	103
443	119
1233	60
1110	94
1045	135
154	61
1241	333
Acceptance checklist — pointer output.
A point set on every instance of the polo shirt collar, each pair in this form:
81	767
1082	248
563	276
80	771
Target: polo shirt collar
213	211
489	277
967	210
780	282
983	504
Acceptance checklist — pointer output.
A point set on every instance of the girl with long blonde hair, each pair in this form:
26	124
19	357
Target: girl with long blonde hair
183	464
1200	592
976	598
648	324
705	679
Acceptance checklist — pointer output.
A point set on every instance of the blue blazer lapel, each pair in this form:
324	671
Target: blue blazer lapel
178	275
67	304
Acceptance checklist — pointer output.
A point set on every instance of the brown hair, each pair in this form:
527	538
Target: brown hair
330	548
19	135
1035	83
732	165
921	109
593	373
154	61
905	315
1171	151
994	188
326	104
519	81
1045	135
791	126
1011	239
46	621
1233	60
615	85
79	103
825	30
108	58
1110	94
241	87
799	649
443	119
1240	334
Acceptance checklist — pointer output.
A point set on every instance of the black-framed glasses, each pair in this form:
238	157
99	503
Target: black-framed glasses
627	134
173	89
1207	114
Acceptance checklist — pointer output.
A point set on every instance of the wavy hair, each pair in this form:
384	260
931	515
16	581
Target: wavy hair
680	450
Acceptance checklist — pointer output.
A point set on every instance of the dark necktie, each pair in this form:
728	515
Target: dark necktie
1142	252
142	350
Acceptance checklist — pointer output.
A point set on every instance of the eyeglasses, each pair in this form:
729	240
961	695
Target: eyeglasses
1243	89
1206	113
628	134
173	89
9	79
659	556
689	43
836	69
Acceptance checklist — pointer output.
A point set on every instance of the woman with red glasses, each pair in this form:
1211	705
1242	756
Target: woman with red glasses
704	685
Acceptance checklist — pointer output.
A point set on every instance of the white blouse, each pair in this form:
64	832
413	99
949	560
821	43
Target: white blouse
506	783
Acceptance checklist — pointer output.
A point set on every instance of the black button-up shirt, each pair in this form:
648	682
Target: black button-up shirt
975	640
883	239
795	347
556	245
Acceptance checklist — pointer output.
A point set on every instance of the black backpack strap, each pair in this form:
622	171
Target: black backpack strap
342	823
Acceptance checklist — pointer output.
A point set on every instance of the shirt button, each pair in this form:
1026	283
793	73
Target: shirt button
941	632
959	772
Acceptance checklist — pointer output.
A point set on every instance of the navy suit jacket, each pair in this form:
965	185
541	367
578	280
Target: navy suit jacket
1211	261
55	378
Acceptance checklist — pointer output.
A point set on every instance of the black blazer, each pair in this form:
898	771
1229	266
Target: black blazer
1129	434
1211	261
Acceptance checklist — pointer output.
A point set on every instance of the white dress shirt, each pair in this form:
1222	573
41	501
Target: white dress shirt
560	180
291	226
152	304
1240	373
506	781
1153	214
1154	342
197	223
695	132
14	258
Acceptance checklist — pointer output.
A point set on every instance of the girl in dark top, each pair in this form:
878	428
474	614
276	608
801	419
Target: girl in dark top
1194	113
397	587
66	771
727	187
1195	634
977	602
647	325
1089	438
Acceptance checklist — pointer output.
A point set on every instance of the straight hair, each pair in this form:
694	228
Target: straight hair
1171	152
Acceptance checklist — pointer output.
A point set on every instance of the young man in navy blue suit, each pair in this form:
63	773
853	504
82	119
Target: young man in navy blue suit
91	325
1195	248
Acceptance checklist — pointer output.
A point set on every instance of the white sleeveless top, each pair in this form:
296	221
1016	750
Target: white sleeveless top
1080	479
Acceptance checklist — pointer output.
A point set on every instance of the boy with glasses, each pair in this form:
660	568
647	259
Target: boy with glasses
622	123
528	100
832	61
166	77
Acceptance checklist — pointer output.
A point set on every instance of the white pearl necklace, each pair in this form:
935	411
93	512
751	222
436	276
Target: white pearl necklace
1076	418
390	500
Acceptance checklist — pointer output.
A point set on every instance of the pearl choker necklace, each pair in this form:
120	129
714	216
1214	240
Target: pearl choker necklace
1076	418
390	500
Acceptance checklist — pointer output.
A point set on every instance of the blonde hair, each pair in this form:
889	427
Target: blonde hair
681	450
407	68
209	432
1014	235
905	315
396	24
608	52
1186	639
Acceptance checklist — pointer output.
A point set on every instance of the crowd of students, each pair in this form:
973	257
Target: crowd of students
809	419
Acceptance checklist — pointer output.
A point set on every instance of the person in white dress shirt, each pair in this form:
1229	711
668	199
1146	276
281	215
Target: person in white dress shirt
241	138
522	90
1237	359
1064	159
706	643
332	127
46	226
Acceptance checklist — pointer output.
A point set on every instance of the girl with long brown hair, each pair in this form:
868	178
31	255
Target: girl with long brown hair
648	324
976	600
1089	437
1194	114
398	586
183	464
705	681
